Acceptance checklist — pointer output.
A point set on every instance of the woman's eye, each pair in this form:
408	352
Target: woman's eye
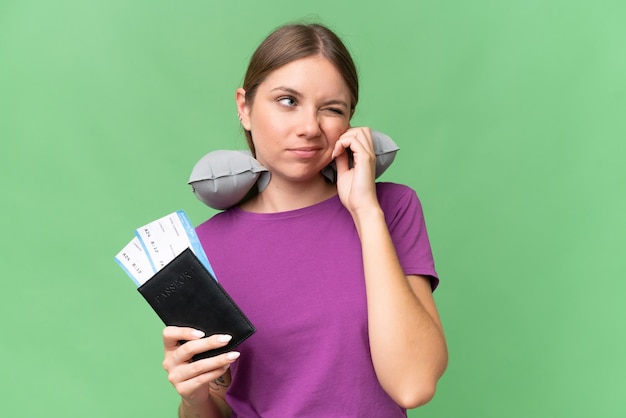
335	110
287	101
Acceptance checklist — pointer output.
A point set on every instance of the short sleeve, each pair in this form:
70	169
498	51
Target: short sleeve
407	226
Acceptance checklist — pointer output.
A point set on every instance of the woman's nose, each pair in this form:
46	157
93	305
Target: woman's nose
309	124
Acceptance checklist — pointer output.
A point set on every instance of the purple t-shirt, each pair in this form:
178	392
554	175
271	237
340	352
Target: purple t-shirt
298	276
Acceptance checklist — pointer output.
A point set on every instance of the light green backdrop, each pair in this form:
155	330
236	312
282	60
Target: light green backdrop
510	115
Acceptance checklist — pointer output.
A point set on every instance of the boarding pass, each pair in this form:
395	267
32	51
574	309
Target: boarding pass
156	244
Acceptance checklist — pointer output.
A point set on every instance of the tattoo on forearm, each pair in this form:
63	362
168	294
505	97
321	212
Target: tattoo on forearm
218	384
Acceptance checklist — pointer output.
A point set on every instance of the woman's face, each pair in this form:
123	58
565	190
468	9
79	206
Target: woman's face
299	112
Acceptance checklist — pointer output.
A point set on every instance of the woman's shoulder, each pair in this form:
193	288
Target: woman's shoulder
216	219
389	190
390	187
395	198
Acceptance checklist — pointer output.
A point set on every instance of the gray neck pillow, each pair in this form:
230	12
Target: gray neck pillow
222	179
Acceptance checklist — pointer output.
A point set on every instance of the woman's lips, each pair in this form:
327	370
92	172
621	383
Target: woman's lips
305	152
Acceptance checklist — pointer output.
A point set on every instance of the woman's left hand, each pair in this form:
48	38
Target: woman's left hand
356	185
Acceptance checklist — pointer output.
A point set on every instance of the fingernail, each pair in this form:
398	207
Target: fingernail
233	355
224	338
197	333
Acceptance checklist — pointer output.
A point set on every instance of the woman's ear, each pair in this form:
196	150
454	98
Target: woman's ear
243	110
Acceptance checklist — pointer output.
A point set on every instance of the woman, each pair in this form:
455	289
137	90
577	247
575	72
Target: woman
337	278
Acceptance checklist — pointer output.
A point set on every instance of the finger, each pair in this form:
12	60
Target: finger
362	151
197	368
362	134
354	138
184	353
189	387
342	162
173	335
363	141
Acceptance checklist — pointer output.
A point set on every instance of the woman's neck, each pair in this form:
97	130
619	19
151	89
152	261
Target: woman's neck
280	196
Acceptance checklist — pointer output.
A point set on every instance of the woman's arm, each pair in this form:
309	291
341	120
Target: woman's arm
408	347
406	337
219	407
202	383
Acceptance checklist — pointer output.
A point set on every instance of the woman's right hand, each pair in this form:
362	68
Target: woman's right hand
192	378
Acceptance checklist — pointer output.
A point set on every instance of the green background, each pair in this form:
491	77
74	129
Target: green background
511	119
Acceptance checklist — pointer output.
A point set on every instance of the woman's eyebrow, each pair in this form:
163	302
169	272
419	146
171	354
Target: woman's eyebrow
336	102
287	90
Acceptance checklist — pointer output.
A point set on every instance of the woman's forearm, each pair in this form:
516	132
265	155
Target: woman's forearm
406	338
210	408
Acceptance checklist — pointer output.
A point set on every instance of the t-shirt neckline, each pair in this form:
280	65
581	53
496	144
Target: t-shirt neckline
322	205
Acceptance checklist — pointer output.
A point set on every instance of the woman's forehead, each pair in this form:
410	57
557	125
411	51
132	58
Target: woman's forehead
315	73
